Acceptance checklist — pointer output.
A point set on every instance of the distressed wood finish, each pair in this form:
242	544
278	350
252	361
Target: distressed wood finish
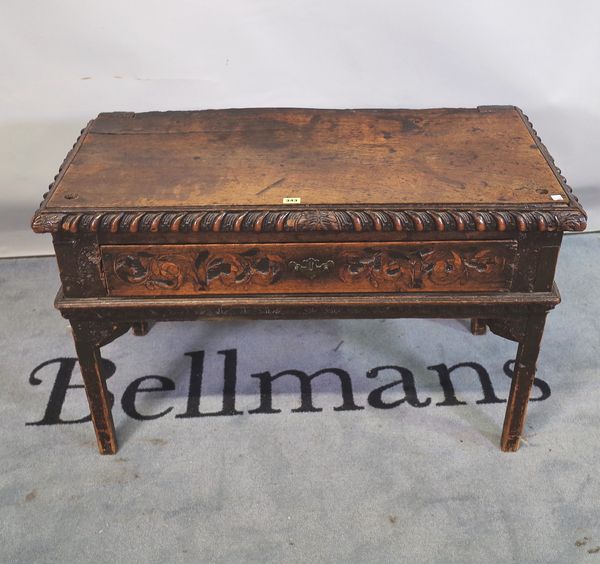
258	157
478	326
136	270
141	328
525	367
482	169
403	213
89	336
511	307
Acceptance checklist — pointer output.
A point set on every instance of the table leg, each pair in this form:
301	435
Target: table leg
478	326
89	337
524	373
141	328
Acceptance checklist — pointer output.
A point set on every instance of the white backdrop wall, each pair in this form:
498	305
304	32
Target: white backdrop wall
64	61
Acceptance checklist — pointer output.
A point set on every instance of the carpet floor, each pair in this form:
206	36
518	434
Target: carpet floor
379	470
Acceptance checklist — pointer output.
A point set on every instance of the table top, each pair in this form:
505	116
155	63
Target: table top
483	158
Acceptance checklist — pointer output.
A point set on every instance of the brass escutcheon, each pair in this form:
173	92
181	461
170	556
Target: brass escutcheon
311	267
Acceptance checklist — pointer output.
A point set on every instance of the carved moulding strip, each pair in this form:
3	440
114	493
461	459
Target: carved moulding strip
486	306
315	219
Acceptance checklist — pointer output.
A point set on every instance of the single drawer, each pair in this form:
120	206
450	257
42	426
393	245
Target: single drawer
298	268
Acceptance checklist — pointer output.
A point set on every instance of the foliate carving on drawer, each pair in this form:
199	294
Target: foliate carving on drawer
448	266
424	268
154	272
245	268
170	272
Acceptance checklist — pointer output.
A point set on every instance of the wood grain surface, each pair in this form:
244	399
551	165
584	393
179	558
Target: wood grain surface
258	157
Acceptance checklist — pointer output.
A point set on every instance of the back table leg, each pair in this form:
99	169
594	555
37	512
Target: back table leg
478	326
141	328
89	336
524	373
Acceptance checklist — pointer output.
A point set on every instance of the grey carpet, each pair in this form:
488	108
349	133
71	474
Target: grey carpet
404	484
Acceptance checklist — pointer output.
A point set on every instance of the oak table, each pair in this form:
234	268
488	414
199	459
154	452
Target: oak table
304	213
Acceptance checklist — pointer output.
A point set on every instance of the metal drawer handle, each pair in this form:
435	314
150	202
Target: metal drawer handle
311	267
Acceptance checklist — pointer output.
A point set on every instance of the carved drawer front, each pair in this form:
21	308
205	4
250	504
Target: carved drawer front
441	266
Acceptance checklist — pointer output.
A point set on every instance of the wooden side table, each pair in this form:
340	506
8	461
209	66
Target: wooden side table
301	213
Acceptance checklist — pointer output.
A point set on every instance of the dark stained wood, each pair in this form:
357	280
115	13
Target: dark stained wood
524	373
141	328
95	388
435	266
403	213
478	326
79	265
89	336
508	306
511	328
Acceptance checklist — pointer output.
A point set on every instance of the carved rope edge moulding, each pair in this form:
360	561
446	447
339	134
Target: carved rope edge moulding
263	221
